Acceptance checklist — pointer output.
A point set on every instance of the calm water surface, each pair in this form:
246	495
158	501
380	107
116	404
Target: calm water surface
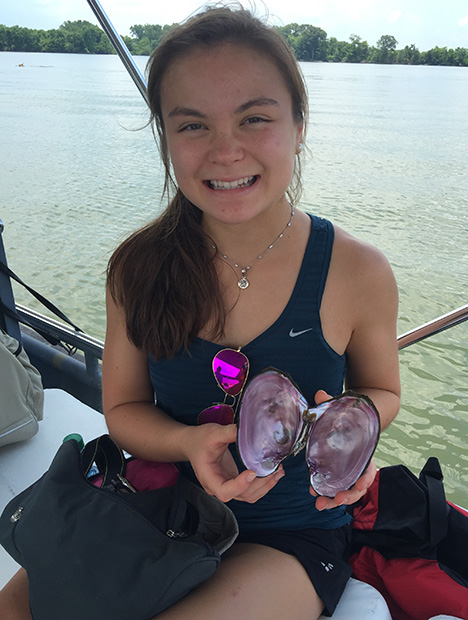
388	162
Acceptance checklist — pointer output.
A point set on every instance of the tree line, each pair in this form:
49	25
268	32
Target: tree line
309	43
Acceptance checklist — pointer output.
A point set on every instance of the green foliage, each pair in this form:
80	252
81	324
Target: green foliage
79	37
410	55
357	50
309	43
145	38
386	49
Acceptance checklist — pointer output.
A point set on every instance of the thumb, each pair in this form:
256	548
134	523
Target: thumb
226	434
231	433
321	396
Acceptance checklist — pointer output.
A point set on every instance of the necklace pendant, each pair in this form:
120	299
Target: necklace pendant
243	283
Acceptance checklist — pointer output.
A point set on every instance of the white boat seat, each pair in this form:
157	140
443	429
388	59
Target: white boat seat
360	601
23	463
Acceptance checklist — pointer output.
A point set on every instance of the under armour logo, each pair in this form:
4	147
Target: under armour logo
293	334
328	567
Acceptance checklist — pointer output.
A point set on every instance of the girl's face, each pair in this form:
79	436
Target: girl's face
230	131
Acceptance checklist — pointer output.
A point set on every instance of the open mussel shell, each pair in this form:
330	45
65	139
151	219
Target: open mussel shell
341	442
270	421
340	435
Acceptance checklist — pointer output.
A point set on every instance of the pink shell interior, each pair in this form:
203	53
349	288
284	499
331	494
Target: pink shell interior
340	441
270	421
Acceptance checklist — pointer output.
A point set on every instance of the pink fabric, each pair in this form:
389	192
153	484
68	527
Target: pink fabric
147	475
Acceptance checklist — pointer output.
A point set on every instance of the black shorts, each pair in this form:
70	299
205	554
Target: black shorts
322	553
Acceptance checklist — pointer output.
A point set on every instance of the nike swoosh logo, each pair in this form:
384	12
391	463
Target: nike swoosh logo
293	334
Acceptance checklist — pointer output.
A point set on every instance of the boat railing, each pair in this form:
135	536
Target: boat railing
436	326
75	364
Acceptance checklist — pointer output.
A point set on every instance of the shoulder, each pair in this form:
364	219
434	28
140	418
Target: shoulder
362	278
358	259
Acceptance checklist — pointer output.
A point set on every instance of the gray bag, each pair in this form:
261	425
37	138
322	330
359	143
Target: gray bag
21	393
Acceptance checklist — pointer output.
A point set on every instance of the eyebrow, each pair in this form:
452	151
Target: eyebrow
181	111
260	101
252	103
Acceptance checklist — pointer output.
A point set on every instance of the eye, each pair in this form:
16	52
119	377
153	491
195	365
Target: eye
191	127
252	120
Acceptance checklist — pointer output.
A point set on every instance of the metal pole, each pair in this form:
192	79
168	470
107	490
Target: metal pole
435	326
120	48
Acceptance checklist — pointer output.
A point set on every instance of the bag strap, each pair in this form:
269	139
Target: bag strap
431	475
44	301
14	315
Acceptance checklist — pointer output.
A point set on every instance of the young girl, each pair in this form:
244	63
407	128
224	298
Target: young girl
234	263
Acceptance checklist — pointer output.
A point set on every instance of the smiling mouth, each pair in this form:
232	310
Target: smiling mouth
225	185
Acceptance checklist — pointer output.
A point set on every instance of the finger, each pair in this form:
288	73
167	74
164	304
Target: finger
260	487
342	498
367	478
321	396
350	496
325	503
235	487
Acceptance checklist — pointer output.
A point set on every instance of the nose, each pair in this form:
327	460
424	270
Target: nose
225	149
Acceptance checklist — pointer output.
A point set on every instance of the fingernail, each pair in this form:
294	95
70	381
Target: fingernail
251	477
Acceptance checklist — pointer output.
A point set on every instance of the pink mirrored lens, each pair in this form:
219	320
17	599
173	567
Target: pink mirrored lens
218	414
230	369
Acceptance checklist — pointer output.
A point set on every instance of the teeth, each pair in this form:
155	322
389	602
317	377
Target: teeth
245	182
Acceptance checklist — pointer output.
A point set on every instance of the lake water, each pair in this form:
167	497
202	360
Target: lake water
388	162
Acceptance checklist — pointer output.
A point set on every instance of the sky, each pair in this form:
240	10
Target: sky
424	23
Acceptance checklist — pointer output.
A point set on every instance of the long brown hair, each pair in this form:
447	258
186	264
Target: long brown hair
164	274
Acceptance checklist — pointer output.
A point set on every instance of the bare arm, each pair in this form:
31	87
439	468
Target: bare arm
128	399
372	351
364	287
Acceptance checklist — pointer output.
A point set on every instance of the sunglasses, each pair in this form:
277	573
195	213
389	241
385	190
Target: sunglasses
230	369
275	421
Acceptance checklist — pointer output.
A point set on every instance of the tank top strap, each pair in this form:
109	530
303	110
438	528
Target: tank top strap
314	271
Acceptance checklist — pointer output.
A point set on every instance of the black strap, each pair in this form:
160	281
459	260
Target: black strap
14	315
431	475
48	304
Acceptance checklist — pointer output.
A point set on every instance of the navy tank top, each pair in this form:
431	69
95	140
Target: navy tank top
184	386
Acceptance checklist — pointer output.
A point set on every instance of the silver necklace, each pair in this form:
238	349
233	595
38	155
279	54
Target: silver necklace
243	282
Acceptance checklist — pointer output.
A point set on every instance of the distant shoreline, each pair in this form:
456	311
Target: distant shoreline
309	44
